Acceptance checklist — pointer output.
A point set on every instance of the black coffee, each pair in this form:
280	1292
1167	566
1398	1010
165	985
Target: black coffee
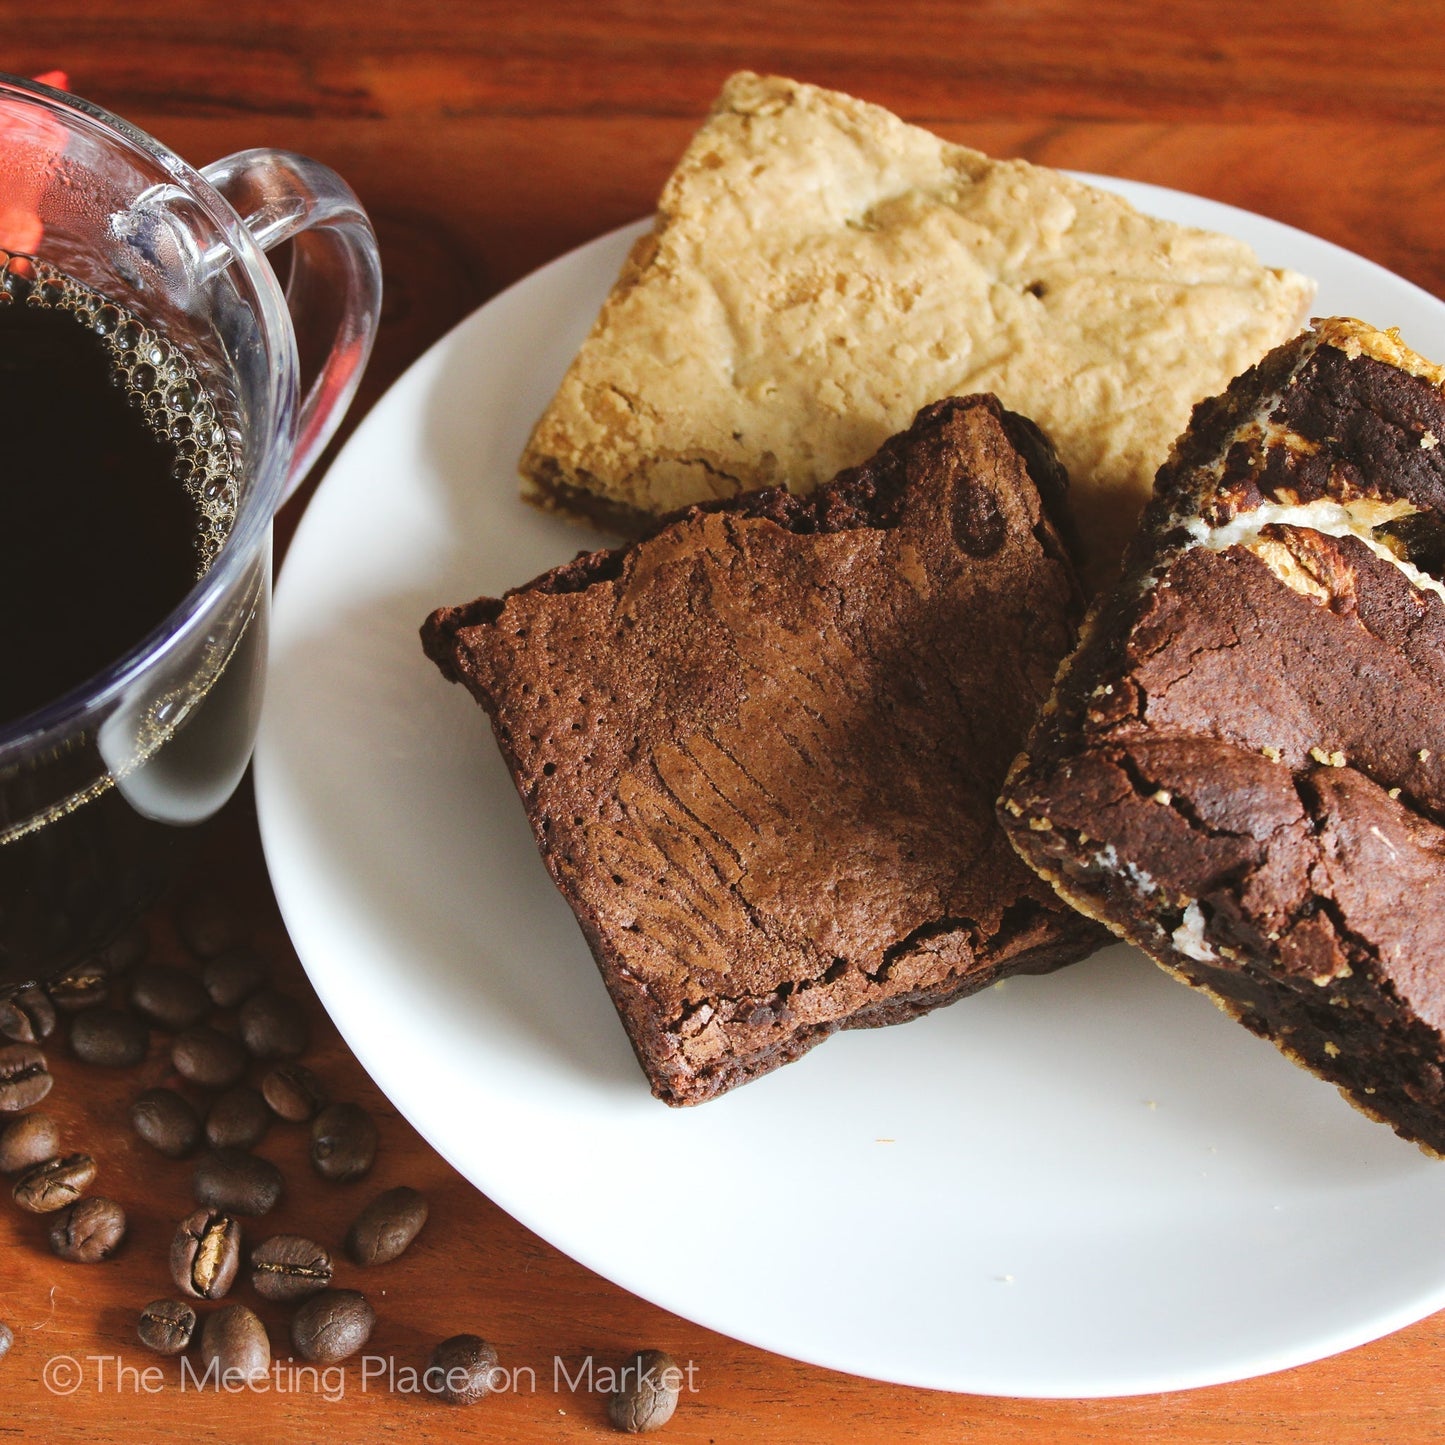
119	489
101	523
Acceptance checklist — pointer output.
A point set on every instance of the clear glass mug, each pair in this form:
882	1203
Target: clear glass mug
99	788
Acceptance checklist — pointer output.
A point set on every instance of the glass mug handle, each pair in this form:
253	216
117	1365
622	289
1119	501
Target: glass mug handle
280	196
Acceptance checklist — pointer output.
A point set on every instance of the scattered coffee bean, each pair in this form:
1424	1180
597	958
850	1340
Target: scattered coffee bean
88	1231
332	1325
236	1182
208	924
234	1342
24	1078
208	1057
7	1338
46	1187
460	1369
646	1396
238	1119
167	1122
27	1141
168	997
288	1267
205	1253
166	1326
384	1229
293	1092
273	1026
125	950
343	1142
83	985
232	977
110	1038
27	1016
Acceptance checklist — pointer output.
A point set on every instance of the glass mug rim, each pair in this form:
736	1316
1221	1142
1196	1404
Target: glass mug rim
267	474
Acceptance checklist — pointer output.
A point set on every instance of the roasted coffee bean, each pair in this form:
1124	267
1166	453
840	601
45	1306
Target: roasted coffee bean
24	1078
166	1326
170	998
125	950
167	1122
7	1338
460	1369
27	1016
273	1026
108	1037
52	1185
27	1141
236	1182
234	1346
88	1231
293	1092
332	1325
205	1253
237	1119
84	985
208	924
343	1142
232	977
208	1057
288	1267
384	1229
646	1396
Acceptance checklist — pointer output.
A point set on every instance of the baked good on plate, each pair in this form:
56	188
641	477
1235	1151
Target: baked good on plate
820	270
1243	767
760	748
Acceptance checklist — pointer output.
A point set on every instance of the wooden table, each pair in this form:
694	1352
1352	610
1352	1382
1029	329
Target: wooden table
485	139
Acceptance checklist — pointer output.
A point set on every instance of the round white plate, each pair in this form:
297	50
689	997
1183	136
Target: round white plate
1080	1185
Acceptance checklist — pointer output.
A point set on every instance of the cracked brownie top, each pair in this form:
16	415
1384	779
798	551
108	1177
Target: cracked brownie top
1318	474
1243	766
760	748
819	270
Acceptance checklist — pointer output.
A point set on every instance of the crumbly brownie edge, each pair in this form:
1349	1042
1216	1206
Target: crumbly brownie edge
1051	941
1213	985
546	489
867	495
1251	988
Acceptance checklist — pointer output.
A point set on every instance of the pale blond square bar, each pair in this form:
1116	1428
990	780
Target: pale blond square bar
819	270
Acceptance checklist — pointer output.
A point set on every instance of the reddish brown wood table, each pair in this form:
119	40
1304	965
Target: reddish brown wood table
486	139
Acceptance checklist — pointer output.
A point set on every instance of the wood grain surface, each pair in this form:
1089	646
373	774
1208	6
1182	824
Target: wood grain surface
486	139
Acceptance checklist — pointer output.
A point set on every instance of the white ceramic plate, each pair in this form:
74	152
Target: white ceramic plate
1087	1184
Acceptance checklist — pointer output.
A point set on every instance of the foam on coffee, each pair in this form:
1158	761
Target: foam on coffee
157	378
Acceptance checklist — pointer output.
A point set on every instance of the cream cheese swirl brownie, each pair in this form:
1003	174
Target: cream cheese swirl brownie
1242	769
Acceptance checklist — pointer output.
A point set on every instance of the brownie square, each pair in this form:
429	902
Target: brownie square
760	748
1243	768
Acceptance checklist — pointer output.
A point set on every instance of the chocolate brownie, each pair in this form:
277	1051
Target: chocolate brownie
760	748
1243	766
